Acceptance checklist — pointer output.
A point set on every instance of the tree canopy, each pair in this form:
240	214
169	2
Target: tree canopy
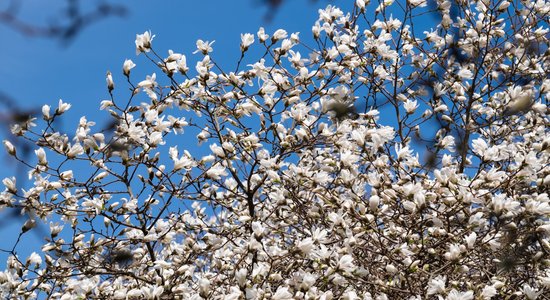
382	160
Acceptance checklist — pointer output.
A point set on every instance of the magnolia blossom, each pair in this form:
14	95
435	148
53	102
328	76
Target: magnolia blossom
246	40
110	82
204	47
437	285
10	148
279	34
346	263
143	42
34	259
46	111
488	292
410	106
457	295
127	67
10	184
41	155
62	107
262	36
418	3
216	171
305	173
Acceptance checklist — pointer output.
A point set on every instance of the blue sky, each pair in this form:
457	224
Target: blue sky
37	71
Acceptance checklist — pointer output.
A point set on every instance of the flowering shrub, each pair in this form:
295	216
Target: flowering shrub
385	162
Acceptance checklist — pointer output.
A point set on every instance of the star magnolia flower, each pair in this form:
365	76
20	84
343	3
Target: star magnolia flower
34	259
246	40
41	155
182	65
410	106
360	4
143	42
216	171
282	293
437	285
62	107
456	295
204	47
279	35
346	263
262	36
46	112
10	148
10	184
127	66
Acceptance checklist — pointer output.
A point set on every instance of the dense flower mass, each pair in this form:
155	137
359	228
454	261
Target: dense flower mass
388	161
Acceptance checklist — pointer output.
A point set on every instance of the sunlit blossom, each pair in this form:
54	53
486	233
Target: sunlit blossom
376	161
127	67
143	42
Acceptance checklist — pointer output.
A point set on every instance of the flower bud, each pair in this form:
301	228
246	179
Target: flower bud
127	66
62	107
9	147
30	224
41	155
110	82
46	112
10	184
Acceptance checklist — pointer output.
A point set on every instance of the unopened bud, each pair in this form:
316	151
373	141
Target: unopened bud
110	82
30	224
9	147
46	112
10	184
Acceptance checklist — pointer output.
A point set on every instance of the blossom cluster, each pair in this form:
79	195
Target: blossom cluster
386	162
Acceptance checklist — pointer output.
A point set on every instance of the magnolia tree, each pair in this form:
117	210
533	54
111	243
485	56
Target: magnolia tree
380	161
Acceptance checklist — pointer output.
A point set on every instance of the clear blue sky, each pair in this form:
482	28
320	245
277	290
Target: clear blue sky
37	71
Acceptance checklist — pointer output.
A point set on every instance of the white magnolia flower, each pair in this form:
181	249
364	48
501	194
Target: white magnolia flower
143	42
217	150
46	112
418	3
262	36
346	263
34	259
204	47
41	155
456	295
410	106
62	107
10	148
306	246
453	253
279	35
149	82
127	67
216	171
75	150
470	240
282	293
488	292
10	184
360	4
437	285
110	82
530	292
182	65
246	40
465	74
